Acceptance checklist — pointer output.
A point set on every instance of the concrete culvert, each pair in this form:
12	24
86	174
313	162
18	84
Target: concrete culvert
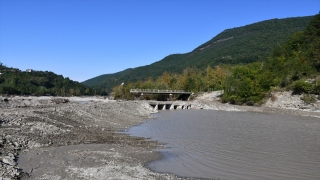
160	107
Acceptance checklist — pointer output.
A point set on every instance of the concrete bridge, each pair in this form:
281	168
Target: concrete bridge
183	95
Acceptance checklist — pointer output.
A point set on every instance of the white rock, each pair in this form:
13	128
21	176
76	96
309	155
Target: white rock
9	161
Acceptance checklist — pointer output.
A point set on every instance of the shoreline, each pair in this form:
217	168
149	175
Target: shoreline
43	132
283	103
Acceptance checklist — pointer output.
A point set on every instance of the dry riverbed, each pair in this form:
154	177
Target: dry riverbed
78	138
73	138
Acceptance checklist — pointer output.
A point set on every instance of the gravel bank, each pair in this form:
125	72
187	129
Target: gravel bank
282	103
62	137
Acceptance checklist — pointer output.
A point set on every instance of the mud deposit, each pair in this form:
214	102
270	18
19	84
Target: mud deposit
70	138
94	161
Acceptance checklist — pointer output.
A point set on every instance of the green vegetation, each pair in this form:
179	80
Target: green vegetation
242	45
293	66
14	81
192	80
309	98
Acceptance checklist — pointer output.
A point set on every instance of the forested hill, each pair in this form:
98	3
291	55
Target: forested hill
16	82
293	66
240	45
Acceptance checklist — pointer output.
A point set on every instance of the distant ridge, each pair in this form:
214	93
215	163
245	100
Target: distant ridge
239	45
13	81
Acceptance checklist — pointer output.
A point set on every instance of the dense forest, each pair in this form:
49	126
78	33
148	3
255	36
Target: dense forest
14	81
295	65
241	45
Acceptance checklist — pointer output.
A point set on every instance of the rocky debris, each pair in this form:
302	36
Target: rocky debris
22	101
9	159
28	123
278	102
211	101
59	100
9	171
10	148
287	100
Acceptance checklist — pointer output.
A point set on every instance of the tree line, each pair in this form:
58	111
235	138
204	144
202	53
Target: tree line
39	83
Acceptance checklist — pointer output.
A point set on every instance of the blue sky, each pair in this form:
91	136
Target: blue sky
82	39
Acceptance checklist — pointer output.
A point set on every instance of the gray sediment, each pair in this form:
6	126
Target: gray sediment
41	132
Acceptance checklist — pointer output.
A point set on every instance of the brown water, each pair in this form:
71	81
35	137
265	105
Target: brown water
235	145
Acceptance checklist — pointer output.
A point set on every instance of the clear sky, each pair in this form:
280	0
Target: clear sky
82	39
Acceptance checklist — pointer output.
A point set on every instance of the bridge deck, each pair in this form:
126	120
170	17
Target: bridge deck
158	91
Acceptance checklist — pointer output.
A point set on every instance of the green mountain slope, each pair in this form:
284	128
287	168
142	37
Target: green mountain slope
240	45
295	66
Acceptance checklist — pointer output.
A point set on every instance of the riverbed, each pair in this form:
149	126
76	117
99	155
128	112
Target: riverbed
235	145
73	138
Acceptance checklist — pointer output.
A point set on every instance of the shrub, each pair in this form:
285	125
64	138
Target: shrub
316	89
254	101
308	99
233	99
300	87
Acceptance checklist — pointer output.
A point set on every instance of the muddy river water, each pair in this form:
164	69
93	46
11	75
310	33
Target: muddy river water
235	145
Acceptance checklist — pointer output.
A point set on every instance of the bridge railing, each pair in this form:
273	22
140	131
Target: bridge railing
155	91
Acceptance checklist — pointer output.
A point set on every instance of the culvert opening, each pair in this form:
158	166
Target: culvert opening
153	106
160	107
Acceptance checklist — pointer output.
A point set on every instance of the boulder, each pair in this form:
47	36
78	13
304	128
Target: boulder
9	160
